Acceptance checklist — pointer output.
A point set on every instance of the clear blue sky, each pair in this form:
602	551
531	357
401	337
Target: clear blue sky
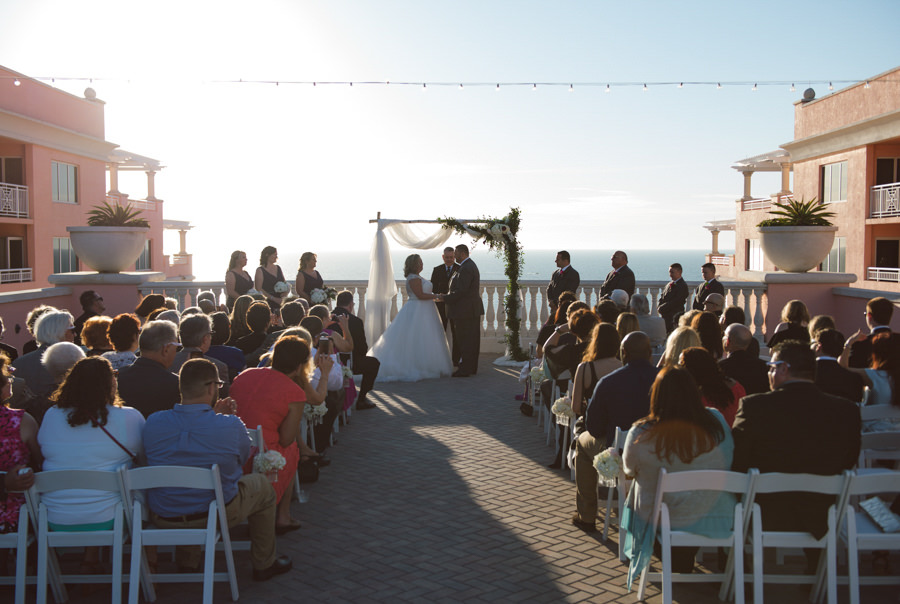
305	168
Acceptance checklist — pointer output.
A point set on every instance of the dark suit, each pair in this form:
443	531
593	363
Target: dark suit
705	289
749	370
831	378
861	352
561	281
148	386
671	301
622	279
362	364
465	309
440	284
796	428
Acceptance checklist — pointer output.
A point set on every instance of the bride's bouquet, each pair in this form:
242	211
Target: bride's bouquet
608	464
321	295
563	407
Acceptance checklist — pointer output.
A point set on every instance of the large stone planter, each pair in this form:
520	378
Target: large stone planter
108	249
796	249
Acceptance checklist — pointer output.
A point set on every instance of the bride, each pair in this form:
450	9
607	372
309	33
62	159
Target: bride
414	346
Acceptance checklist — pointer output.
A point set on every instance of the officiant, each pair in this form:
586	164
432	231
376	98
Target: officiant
440	280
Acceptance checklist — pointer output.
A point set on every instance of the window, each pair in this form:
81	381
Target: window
887	171
143	262
64	258
12	171
12	252
836	262
64	182
754	255
834	182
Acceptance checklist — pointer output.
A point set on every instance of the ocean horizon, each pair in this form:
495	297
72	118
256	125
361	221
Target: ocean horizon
537	264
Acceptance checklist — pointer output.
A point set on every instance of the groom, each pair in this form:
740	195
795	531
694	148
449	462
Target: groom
465	308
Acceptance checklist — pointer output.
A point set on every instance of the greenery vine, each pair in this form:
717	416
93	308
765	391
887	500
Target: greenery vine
499	234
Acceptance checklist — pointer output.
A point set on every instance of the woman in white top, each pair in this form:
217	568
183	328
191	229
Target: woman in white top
414	346
881	378
654	327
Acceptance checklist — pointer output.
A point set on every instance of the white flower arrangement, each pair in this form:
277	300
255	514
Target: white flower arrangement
282	287
348	373
537	374
608	464
270	461
563	407
314	412
500	231
318	296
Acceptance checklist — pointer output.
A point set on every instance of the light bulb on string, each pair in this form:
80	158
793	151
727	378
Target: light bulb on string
754	88
645	88
867	85
718	86
460	86
497	88
424	87
830	86
607	88
314	84
793	89
681	84
533	87
571	88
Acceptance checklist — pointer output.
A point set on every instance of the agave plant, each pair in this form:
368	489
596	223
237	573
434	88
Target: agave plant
799	213
107	215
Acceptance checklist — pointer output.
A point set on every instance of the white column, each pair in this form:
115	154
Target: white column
747	194
785	179
151	186
182	236
113	179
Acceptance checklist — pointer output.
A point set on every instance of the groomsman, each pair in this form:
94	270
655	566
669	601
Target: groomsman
673	297
440	282
709	286
564	279
621	277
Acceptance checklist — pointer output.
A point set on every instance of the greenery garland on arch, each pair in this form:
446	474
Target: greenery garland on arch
500	236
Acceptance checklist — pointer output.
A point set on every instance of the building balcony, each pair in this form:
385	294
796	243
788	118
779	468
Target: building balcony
15	275
763	203
884	201
13	201
880	273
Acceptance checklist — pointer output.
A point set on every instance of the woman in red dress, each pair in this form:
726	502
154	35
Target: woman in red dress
270	397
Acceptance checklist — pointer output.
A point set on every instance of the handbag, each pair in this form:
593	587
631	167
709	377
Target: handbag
307	471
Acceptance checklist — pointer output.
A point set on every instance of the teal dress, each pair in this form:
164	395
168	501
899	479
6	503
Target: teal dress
706	513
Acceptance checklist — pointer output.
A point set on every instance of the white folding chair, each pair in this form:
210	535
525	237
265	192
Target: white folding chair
621	488
779	482
59	480
216	529
697	480
877	446
861	533
18	541
256	439
872	413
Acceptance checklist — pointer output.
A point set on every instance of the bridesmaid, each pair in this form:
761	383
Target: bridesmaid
308	278
267	275
237	280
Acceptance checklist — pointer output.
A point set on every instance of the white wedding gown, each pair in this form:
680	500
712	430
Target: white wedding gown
414	346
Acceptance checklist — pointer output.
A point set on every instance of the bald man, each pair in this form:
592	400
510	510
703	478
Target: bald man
740	364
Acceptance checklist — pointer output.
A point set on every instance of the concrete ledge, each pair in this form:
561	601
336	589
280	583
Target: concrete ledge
35	294
811	278
868	294
94	278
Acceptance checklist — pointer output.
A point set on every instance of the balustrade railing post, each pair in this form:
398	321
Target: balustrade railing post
361	307
758	315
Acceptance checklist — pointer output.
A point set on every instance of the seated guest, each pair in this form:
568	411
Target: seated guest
207	306
259	316
796	428
18	449
818	323
599	360
231	356
88	429
878	318
881	378
52	327
687	319
607	311
200	432
95	336
191	310
172	316
58	360
195	332
148	304
627	322
92	305
338	330
271	398
238	318
291	314
560	317
793	326
620	399
334	378
147	384
679	434
831	378
123	333
654	327
30	321
678	341
717	391
621	298
732	314
739	364
170	303
362	365
10	351
706	324
714	303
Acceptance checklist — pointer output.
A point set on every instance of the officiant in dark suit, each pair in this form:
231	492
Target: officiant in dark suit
465	309
564	279
621	277
440	282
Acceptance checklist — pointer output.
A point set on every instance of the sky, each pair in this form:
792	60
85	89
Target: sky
305	168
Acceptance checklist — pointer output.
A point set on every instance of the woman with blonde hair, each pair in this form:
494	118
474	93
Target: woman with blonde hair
238	318
308	278
678	341
237	280
793	326
268	276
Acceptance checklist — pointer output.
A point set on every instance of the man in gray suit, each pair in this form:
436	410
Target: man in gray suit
465	309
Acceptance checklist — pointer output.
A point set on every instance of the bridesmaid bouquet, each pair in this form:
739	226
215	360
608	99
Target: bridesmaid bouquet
608	464
320	296
269	463
282	288
563	407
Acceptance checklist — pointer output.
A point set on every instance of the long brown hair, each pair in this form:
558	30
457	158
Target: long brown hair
706	324
678	421
708	375
886	357
87	389
604	343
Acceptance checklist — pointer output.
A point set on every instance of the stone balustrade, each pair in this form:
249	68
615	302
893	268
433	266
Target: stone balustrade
534	310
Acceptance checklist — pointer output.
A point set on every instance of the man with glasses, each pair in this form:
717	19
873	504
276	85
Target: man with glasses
796	428
196	338
147	384
92	305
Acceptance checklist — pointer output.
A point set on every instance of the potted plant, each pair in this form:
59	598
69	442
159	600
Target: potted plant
113	239
800	235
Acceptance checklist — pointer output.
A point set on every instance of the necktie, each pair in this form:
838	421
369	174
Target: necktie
449	268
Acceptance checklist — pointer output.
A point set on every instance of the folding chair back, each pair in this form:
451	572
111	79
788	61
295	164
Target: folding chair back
256	439
60	480
216	526
879	446
18	541
779	482
621	488
875	412
721	481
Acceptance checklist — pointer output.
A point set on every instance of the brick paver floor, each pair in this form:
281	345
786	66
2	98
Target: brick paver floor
442	494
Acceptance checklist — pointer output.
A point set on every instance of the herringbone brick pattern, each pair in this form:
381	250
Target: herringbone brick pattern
442	494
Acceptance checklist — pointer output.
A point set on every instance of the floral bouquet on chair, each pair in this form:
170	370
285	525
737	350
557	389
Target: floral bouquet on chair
563	407
269	463
608	464
320	296
314	413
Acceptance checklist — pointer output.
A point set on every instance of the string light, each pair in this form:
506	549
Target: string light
754	88
830	86
497	88
718	85
681	84
424	87
460	86
793	89
867	84
571	88
645	88
533	87
607	88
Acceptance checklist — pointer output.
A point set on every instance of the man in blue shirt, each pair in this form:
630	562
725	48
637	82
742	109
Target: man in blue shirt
201	431
620	398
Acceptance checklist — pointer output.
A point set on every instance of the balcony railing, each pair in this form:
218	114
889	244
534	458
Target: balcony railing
884	201
534	311
13	200
137	204
15	275
763	203
878	273
722	260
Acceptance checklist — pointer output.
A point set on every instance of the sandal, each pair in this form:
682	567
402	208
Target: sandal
286	528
